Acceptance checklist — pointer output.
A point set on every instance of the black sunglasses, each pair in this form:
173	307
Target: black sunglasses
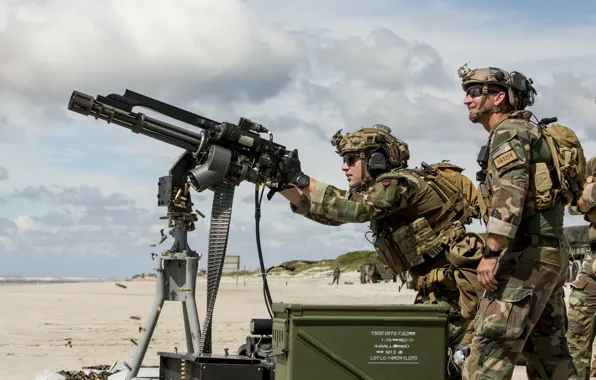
350	158
475	92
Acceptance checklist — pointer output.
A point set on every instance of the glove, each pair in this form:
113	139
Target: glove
589	194
289	169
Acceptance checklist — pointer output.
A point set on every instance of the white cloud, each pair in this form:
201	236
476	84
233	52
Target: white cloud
6	243
88	190
192	47
24	223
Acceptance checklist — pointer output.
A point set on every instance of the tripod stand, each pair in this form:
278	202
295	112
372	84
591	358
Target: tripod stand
176	276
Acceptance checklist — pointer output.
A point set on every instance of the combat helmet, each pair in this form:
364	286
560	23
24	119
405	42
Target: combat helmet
519	88
375	146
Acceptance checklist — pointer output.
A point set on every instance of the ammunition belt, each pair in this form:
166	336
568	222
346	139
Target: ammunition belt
219	228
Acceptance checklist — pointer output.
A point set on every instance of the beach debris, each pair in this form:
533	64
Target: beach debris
135	317
85	375
120	285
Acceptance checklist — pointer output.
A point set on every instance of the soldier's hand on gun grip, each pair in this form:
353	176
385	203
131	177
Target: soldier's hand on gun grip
289	168
486	270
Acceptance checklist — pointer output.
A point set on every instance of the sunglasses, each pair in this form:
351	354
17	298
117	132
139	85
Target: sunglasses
475	92
351	158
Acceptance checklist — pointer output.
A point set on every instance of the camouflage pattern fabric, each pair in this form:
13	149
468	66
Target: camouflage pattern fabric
401	199
586	271
582	322
407	197
526	313
589	194
582	301
508	202
591	167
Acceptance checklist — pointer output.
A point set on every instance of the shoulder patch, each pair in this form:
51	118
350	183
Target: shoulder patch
503	148
386	183
505	158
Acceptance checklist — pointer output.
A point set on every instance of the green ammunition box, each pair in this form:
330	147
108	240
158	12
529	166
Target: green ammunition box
376	342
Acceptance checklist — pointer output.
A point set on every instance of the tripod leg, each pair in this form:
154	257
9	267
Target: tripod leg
150	327
190	305
189	347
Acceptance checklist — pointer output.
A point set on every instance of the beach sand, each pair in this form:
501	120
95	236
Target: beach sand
70	326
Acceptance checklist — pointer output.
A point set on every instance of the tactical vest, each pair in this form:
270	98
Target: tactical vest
544	183
423	231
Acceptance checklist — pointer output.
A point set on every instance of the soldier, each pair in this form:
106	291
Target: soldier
336	273
414	221
582	300
523	266
362	271
372	273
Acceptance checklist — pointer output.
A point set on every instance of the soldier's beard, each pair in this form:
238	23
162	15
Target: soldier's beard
477	116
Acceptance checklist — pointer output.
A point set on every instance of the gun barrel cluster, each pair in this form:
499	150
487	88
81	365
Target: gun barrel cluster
137	122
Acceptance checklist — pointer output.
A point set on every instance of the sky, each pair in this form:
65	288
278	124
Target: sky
78	196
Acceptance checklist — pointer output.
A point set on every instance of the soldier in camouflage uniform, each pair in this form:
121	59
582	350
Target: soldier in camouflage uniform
524	267
336	273
414	226
582	300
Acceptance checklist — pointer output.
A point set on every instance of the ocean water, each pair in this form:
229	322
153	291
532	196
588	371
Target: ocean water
48	280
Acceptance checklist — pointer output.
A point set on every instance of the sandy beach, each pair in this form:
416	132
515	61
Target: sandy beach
70	326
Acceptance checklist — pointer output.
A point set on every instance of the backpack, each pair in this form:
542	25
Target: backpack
457	191
568	156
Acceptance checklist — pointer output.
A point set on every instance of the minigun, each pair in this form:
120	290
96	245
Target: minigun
220	151
218	158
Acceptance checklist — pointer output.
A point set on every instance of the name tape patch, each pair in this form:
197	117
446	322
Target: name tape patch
505	159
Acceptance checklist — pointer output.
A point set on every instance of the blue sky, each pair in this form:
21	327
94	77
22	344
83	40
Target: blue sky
80	195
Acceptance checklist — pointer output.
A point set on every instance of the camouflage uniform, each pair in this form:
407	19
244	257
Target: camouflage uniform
394	201
526	313
582	300
336	273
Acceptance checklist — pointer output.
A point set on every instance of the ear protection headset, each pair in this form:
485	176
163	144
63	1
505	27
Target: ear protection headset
376	164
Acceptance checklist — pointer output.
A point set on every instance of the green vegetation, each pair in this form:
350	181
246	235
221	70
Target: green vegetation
347	261
350	261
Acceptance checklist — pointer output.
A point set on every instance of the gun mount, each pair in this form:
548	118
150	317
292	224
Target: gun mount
299	342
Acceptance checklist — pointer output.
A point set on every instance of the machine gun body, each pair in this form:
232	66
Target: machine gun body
221	150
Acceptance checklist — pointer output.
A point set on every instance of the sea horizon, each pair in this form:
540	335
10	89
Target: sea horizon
51	279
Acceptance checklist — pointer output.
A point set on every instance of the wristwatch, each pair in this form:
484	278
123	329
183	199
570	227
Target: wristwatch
302	181
488	253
